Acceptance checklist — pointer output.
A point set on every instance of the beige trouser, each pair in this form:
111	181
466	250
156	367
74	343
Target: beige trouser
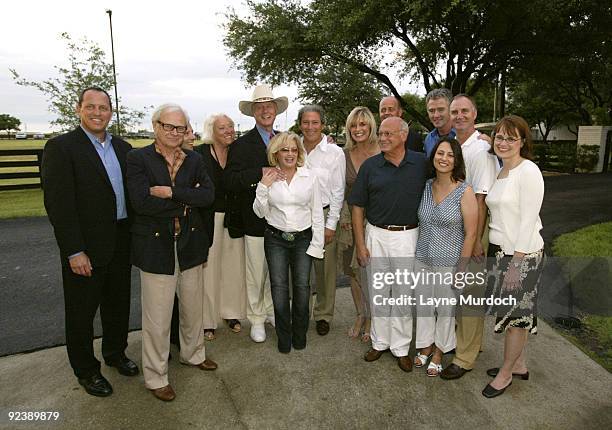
224	278
259	295
326	272
470	324
157	295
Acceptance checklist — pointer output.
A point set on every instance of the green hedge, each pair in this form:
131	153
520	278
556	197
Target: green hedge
556	156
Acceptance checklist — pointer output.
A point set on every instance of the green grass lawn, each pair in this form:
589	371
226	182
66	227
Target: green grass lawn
39	144
21	203
591	241
587	255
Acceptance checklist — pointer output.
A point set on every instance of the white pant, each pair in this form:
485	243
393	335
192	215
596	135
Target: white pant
389	251
259	295
434	324
157	295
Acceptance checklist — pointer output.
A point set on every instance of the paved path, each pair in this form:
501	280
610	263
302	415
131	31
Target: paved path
31	299
326	386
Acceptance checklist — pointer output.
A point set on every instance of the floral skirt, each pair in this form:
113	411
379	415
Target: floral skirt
518	307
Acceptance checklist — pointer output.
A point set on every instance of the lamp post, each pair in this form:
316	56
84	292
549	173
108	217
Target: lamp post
110	20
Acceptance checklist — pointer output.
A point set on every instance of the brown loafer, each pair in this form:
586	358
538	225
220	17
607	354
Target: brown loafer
453	371
373	354
405	363
208	365
166	393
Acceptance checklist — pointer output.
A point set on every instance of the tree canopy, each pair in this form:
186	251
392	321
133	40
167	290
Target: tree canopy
86	67
8	123
463	46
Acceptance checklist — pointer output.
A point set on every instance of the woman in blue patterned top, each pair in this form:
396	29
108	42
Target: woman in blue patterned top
448	217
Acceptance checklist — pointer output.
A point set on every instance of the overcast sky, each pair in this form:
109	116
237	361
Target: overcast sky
165	51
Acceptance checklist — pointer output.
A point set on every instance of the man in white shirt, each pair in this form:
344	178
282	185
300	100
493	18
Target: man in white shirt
480	174
328	163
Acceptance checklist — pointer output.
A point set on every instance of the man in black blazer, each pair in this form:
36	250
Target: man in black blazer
389	107
246	162
83	177
168	188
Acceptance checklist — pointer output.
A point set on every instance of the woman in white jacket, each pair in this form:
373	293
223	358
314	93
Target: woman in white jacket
288	198
516	248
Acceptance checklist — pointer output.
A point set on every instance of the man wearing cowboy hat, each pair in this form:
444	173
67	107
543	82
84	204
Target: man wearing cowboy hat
246	162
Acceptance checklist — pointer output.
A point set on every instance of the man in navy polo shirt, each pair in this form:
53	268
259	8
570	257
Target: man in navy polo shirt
388	191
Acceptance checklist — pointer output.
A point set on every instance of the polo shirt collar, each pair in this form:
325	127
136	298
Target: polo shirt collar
406	159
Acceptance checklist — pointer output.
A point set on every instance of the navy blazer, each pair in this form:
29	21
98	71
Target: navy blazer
79	197
153	227
245	159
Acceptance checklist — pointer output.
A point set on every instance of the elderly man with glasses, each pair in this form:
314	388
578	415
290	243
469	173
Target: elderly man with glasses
387	192
167	185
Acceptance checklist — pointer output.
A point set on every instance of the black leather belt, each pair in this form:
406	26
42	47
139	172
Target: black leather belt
397	227
288	236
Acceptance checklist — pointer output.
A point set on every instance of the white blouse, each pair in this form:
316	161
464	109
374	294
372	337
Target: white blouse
294	207
514	203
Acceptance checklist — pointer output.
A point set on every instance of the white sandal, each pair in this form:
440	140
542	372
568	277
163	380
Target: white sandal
422	359
434	366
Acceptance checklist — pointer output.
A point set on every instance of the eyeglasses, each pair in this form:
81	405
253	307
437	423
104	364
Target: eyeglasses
510	139
289	150
387	133
180	129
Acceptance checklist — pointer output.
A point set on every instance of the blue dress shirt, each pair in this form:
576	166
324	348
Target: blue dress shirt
265	135
432	139
113	169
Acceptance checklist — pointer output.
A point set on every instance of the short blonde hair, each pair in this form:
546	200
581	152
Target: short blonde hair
280	141
360	113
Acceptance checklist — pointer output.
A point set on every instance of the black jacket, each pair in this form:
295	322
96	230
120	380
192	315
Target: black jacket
245	159
79	197
153	226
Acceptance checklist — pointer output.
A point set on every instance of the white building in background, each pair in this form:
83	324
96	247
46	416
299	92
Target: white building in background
560	132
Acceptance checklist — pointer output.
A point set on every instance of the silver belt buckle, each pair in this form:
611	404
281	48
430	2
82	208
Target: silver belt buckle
289	237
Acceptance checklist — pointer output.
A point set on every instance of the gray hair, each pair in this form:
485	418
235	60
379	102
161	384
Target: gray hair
439	93
465	96
404	126
311	108
209	126
168	107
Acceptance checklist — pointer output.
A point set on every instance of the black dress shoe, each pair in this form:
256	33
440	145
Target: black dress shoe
494	371
124	365
96	385
491	392
453	371
322	327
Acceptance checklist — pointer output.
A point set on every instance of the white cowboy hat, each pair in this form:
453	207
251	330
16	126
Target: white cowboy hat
263	93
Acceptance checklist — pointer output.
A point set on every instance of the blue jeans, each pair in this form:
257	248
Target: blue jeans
282	254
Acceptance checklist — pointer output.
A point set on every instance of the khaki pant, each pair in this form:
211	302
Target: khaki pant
326	272
157	295
470	325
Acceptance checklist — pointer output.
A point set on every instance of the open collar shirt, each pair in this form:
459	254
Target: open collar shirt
293	207
109	159
328	163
